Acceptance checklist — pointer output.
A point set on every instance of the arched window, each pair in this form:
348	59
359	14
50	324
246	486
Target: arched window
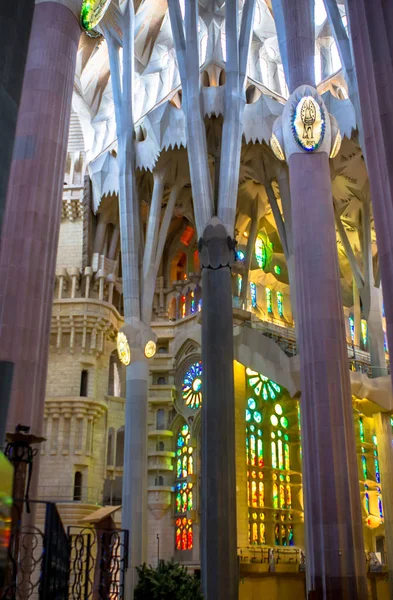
272	435
110	450
77	486
160	419
84	383
160	447
184	500
253	290
192	386
120	447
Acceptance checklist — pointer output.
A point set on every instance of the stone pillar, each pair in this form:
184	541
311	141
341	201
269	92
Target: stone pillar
372	51
218	520
333	523
15	25
334	543
32	216
383	431
134	504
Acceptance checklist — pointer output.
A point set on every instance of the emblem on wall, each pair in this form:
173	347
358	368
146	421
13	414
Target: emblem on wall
308	124
92	12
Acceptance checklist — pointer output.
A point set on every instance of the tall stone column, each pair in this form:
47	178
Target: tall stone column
134	501
219	537
333	524
15	25
372	52
383	430
32	215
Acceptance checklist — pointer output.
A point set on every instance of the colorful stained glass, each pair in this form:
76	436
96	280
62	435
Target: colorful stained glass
363	329
380	507
274	420
288	496
263	386
261	495
239	284
282	496
192	386
240	255
376	464
254	497
269	302
275	495
352	328
367	498
253	290
284	422
260	453
192	302
364	467
260	252
184	534
280	455
277	269
274	455
287	457
280	305
183	306
361	430
255	533
290	536
252	450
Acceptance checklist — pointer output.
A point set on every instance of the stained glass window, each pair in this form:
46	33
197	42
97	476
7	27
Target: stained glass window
269	468
280	305
277	269
239	284
184	492
260	252
352	328
192	386
240	255
269	302
192	302
184	534
253	290
363	329
263	386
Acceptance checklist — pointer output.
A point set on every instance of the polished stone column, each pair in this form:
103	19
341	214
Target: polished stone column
334	541
333	523
134	501
15	25
371	34
33	210
218	520
383	431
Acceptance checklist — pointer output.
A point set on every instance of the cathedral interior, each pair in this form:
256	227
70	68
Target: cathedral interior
196	262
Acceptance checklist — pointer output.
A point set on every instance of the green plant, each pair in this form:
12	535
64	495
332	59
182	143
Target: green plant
168	581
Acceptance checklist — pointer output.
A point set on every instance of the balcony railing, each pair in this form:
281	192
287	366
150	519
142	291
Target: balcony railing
66	493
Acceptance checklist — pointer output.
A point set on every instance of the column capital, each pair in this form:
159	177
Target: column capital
73	5
216	247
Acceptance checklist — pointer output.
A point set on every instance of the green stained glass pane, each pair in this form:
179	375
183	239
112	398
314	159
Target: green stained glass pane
361	429
257	417
284	422
286	437
252	404
277	269
92	12
274	420
274	455
248	415
364	467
